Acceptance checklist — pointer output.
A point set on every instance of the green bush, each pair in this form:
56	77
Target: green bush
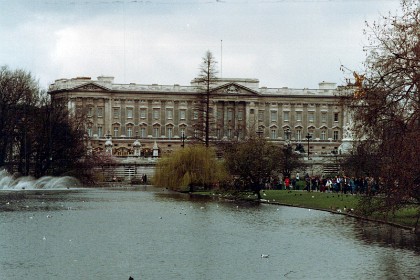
190	168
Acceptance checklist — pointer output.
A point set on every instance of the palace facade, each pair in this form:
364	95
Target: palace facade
130	120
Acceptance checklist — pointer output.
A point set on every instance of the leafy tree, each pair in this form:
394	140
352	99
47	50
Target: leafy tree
19	94
193	166
299	148
253	163
386	103
290	160
364	161
38	136
68	139
103	161
206	78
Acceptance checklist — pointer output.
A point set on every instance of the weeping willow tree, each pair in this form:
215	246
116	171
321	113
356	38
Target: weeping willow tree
189	168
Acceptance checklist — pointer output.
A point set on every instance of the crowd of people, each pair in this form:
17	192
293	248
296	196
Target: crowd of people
341	184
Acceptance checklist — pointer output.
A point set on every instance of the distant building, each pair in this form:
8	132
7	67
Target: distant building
132	120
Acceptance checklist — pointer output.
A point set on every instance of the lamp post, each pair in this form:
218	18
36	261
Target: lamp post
183	139
287	132
308	137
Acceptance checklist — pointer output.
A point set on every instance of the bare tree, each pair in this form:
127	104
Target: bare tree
203	113
386	104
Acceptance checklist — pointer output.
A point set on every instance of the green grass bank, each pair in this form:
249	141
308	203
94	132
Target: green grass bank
334	202
338	203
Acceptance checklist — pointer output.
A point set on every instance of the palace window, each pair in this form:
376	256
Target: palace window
240	115
100	112
116	131
116	113
299	116
182	132
100	133
311	116
129	131
230	115
169	114
90	112
195	116
323	135
324	117
143	113
182	114
156	113
273	116
156	133
298	135
261	115
335	117
169	132
273	133
129	113
335	135
142	132
286	116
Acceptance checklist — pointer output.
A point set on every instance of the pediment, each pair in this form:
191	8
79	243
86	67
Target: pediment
234	89
91	87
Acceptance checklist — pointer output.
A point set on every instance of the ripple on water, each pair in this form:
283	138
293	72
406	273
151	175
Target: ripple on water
115	234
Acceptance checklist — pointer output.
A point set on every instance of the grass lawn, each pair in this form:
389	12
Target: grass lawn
316	200
334	202
326	201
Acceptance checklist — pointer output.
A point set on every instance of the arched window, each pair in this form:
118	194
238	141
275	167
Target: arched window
273	134
129	131
299	134
116	129
323	134
156	131
143	130
169	131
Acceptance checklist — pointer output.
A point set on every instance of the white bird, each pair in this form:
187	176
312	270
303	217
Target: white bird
264	256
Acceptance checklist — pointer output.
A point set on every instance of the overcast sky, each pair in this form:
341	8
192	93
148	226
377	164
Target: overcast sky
293	43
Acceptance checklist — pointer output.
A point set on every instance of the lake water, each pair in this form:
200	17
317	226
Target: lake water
149	233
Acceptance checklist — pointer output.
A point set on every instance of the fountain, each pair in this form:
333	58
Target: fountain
9	182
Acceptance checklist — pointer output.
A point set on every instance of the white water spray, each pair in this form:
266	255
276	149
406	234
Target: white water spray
9	182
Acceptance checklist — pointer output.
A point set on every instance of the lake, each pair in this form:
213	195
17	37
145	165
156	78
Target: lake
150	233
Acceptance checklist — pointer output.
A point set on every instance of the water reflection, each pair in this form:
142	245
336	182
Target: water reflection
155	234
385	235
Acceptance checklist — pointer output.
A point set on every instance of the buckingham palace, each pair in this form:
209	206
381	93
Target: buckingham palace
151	119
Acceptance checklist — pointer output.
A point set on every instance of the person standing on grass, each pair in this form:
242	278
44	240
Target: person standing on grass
287	183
